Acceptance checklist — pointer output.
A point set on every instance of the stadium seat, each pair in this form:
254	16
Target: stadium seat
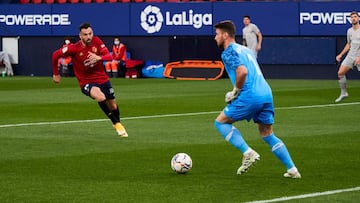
155	1
63	1
112	1
125	1
71	1
86	1
36	1
24	1
49	1
99	1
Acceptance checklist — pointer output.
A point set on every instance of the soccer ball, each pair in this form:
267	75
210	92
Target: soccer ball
181	163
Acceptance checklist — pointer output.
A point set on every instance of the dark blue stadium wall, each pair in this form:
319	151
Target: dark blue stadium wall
280	57
35	52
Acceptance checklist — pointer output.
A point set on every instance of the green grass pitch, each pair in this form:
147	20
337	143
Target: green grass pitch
57	146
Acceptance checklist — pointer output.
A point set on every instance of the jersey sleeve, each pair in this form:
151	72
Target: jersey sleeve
256	29
104	51
348	36
62	52
233	59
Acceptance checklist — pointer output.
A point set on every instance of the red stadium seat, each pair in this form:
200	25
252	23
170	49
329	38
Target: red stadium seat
24	1
112	1
99	1
139	1
61	1
49	1
36	1
86	1
125	1
154	1
71	1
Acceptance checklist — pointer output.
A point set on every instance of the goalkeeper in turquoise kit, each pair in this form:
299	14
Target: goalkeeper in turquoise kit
251	98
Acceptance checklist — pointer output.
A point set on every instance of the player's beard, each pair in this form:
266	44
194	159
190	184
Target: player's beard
87	41
220	44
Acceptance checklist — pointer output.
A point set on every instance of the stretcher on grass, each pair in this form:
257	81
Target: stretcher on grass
194	70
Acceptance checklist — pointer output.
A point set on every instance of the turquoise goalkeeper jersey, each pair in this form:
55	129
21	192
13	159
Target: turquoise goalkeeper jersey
255	88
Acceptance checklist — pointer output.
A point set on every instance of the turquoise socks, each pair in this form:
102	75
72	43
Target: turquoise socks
279	149
232	135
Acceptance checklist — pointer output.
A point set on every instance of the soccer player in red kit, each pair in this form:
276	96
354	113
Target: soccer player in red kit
88	54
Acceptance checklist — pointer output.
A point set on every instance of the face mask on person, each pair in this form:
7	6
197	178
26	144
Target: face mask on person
116	42
67	41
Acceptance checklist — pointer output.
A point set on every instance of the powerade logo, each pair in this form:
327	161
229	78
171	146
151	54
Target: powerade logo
330	18
152	19
35	19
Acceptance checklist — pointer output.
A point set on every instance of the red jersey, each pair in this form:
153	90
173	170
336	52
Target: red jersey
119	52
85	72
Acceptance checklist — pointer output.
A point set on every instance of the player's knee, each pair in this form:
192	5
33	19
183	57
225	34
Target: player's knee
342	71
96	93
265	130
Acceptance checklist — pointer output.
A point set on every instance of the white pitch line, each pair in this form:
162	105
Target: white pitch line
98	120
319	106
168	115
316	194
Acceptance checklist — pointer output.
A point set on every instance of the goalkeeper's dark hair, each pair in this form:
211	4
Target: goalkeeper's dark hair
85	25
227	26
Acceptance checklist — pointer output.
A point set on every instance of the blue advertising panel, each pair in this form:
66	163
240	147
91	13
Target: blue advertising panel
272	18
63	19
167	19
330	18
106	19
24	20
171	19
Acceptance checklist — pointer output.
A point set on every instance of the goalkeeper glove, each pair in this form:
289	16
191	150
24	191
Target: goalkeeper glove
232	95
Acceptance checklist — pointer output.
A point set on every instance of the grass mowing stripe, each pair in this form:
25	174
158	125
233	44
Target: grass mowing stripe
316	194
168	115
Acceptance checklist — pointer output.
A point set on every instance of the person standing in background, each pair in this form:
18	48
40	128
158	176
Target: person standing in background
352	48
252	37
4	57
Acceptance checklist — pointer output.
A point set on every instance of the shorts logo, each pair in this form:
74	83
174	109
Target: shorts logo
151	19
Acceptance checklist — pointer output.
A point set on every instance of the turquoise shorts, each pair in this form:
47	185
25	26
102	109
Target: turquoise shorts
259	113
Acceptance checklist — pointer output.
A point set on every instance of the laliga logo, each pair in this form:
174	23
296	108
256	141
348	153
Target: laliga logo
152	19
